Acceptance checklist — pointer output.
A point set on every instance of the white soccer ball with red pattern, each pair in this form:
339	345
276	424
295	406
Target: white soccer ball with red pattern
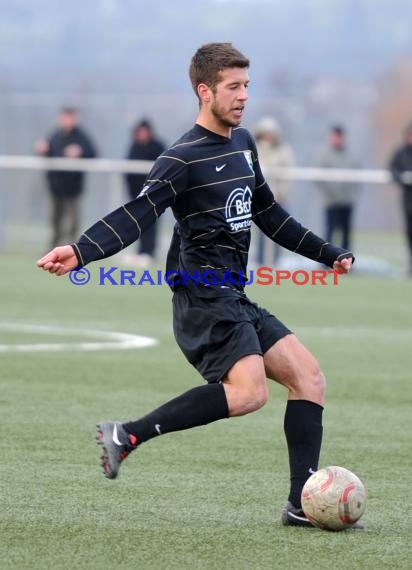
334	498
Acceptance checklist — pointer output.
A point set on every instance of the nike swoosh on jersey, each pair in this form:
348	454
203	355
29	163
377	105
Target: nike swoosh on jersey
219	168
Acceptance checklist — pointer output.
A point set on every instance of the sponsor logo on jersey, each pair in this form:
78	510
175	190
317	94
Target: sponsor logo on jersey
238	210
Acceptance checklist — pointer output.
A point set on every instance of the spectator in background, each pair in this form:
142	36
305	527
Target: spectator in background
273	153
401	169
144	146
69	141
339	196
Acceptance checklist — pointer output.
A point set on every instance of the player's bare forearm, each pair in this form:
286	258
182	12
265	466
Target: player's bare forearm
59	260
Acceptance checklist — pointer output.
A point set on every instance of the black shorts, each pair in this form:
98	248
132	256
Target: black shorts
214	334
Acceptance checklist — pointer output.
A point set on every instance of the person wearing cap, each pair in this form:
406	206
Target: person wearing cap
339	197
274	154
401	168
144	146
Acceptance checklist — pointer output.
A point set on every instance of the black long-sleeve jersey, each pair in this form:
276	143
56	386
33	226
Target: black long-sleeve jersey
215	188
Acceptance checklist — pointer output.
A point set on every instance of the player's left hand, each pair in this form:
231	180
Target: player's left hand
343	266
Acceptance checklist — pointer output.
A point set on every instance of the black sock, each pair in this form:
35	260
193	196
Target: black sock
197	407
303	430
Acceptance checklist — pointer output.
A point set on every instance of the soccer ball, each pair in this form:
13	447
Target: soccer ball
334	498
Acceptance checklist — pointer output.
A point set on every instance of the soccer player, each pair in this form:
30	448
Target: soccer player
212	181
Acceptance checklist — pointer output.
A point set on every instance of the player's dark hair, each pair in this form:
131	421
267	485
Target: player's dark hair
210	59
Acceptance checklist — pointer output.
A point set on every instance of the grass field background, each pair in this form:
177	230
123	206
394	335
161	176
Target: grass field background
208	498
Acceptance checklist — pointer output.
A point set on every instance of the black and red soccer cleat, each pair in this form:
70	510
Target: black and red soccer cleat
117	444
292	516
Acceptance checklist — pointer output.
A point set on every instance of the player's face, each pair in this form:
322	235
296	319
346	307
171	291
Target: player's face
229	97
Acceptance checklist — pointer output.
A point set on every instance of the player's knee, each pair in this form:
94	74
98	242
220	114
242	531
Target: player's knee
318	383
256	398
313	386
309	384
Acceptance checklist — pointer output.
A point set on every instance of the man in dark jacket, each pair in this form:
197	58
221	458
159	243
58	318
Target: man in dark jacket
401	169
144	146
70	141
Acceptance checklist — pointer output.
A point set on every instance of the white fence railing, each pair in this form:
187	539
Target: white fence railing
17	162
13	162
15	225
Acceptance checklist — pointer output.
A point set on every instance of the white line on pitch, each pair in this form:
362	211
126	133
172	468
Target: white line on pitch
109	340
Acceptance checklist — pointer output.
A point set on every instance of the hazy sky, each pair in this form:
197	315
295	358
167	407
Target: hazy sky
350	38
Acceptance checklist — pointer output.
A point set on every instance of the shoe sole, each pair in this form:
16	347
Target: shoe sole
102	433
289	518
293	520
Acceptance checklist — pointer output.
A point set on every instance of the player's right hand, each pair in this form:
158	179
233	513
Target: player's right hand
59	260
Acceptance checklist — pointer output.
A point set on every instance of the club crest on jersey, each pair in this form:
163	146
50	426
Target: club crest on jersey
238	209
248	156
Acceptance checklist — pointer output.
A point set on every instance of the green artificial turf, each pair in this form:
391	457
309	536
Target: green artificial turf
209	498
